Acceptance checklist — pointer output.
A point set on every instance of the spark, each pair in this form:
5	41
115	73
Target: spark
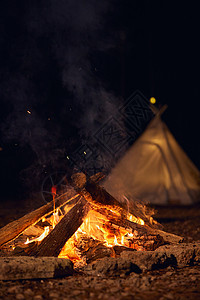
29	112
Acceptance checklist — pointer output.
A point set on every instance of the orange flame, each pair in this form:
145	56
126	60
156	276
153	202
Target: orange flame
95	226
99	228
40	238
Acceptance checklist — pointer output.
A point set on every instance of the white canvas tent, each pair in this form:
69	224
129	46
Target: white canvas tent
156	170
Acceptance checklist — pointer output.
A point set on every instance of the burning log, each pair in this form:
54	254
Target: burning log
99	197
109	224
13	229
94	194
55	241
143	237
115	211
91	249
160	237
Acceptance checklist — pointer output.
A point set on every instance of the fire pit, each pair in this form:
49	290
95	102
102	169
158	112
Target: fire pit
87	224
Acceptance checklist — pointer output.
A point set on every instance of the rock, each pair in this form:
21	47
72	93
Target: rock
114	289
169	296
161	260
28	292
76	292
168	273
149	260
13	289
185	254
140	258
53	295
167	256
38	297
91	295
144	282
193	278
180	255
115	266
20	297
197	252
17	268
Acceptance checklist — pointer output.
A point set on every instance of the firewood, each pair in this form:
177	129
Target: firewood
160	237
19	268
91	249
118	249
96	195
115	211
13	229
168	237
53	243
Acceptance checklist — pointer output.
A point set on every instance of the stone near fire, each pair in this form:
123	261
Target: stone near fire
180	256
17	268
185	254
113	267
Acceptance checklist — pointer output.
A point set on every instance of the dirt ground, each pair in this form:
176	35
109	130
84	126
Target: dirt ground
170	283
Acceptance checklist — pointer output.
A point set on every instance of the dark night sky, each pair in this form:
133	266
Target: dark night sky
72	63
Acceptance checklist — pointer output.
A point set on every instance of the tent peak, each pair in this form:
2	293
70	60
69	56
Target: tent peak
158	111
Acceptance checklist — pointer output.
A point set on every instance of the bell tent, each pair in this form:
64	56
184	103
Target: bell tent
156	170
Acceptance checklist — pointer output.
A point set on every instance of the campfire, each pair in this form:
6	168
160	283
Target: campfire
84	224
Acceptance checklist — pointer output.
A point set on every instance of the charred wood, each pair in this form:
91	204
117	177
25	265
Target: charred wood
53	243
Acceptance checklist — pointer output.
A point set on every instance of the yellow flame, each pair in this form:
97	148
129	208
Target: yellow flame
95	226
41	237
135	219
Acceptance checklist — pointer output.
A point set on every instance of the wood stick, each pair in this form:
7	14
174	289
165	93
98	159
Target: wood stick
53	243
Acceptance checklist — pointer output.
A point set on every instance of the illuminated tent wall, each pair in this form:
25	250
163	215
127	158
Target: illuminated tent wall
155	169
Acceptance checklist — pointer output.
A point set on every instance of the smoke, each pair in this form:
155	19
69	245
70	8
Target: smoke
78	30
51	73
